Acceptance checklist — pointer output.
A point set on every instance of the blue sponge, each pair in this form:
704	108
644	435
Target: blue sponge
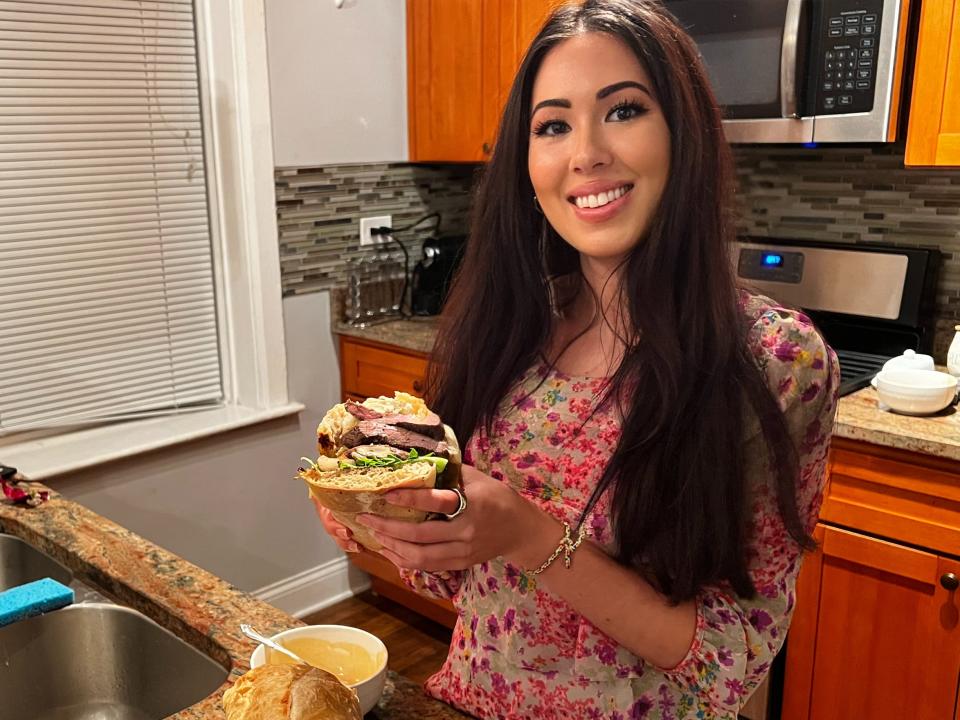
33	598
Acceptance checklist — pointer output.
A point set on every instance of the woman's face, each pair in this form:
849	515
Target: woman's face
599	147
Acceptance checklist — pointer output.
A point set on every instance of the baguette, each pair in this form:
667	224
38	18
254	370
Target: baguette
290	692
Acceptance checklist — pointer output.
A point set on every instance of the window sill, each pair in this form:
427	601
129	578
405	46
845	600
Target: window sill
51	456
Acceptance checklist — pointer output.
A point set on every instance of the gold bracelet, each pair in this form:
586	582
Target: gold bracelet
567	546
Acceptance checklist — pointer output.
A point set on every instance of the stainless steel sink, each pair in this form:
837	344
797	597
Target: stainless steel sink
20	563
92	660
97	661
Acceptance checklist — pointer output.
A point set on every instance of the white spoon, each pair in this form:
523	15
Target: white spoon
254	635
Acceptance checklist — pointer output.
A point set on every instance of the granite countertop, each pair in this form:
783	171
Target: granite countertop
195	605
416	334
858	416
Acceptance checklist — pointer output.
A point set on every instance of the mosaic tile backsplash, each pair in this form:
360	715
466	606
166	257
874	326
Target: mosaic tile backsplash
848	194
319	211
855	195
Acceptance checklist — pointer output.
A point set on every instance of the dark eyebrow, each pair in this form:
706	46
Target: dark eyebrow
551	103
601	94
610	89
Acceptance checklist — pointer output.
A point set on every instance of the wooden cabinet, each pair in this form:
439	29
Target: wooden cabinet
451	75
461	59
877	628
370	369
933	135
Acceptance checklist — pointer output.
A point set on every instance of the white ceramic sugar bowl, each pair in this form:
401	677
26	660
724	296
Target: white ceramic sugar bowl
910	360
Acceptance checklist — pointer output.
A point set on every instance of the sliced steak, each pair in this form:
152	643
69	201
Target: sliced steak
377	432
361	412
429	425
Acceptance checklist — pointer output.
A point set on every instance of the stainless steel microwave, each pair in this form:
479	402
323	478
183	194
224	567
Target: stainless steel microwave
802	71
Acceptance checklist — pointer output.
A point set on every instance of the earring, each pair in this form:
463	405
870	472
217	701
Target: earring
536	204
549	280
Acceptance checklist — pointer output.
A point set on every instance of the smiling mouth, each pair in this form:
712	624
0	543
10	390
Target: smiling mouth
600	199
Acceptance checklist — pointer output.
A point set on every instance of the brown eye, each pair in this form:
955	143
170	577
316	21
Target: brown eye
551	128
624	111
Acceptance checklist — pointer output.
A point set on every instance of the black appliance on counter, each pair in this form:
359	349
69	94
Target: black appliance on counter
871	302
432	274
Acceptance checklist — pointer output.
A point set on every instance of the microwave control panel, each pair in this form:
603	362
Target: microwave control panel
847	62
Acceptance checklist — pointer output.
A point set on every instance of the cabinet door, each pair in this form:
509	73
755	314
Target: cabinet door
933	137
462	58
371	371
887	641
518	21
451	72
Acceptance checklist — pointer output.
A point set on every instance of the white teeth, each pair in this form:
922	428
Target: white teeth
601	199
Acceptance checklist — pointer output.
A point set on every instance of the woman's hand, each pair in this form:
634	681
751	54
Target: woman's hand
338	531
492	525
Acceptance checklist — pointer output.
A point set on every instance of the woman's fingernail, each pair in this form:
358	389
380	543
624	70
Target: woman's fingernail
353	547
343	534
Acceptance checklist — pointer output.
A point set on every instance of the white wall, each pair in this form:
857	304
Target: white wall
229	503
338	81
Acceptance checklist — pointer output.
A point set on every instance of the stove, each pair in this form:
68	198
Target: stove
870	302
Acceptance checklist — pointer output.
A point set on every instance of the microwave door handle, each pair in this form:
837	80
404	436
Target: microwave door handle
788	59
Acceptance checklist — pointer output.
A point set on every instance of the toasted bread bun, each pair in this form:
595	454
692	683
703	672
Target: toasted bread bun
290	692
350	492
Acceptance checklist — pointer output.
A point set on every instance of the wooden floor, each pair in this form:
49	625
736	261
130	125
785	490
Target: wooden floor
416	646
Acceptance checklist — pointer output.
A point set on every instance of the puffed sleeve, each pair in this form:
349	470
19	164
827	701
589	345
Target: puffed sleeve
443	585
737	638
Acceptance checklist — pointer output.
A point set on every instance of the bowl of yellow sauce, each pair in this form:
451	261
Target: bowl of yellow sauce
357	658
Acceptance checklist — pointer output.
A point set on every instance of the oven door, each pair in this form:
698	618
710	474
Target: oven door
752	50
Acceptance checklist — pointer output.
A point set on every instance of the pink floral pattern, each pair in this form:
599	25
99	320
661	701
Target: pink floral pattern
520	652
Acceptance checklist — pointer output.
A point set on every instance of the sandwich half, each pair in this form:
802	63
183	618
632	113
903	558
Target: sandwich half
367	449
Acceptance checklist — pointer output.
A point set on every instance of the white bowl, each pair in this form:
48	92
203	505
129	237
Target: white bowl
369	690
909	360
916	392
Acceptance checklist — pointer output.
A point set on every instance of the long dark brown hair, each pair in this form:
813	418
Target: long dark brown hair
688	384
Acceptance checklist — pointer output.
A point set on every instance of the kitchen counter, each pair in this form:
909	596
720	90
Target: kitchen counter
858	417
416	334
190	602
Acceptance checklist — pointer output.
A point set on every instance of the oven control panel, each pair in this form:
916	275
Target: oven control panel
847	63
771	264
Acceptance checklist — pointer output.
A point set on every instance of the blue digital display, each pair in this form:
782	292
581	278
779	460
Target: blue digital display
772	260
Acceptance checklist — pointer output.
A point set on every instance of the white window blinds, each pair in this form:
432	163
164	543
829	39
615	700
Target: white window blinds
106	283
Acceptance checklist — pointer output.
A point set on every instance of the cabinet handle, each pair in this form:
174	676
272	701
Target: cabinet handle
949	581
418	387
486	148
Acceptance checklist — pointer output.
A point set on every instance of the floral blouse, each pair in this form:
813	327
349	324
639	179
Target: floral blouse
520	652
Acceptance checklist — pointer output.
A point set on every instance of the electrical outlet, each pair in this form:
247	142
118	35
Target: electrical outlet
371	222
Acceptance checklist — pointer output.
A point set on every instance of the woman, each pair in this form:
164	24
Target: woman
647	442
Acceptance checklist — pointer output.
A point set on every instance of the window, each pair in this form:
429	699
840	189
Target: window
120	208
105	256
